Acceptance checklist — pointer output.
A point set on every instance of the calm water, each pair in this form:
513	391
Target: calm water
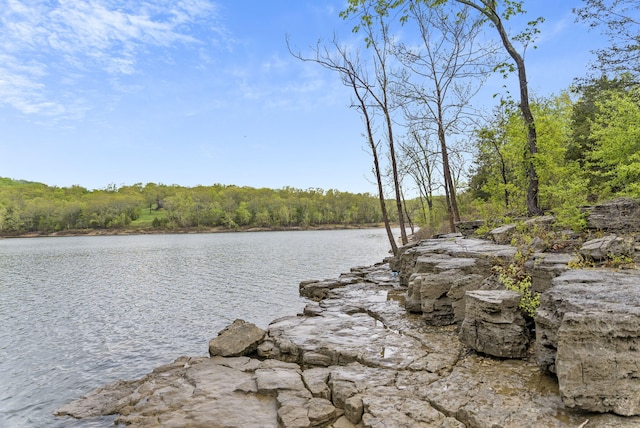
79	312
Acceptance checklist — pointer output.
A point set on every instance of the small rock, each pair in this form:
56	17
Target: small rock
353	409
502	235
238	339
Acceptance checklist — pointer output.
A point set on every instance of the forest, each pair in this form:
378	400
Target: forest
437	157
28	207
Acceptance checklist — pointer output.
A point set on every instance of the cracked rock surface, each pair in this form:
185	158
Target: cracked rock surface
355	358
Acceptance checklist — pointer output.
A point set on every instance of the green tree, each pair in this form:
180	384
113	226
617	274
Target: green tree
616	133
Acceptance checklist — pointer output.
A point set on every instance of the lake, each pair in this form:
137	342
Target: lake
77	313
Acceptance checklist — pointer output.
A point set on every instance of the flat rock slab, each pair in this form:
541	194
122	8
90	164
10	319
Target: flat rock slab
188	392
357	360
491	393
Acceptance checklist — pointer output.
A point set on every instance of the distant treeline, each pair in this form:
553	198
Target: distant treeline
27	207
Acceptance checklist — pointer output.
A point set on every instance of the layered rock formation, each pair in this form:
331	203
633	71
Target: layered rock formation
357	358
588	333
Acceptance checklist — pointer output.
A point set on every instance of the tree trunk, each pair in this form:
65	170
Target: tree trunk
532	137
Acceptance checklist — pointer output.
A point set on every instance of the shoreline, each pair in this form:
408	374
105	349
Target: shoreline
357	357
184	231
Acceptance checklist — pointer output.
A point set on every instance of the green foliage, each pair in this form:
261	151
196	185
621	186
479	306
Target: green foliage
514	278
35	207
616	135
580	262
620	261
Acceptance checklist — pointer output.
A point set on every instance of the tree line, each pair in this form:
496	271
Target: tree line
36	207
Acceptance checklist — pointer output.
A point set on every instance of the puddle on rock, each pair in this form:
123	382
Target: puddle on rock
388	351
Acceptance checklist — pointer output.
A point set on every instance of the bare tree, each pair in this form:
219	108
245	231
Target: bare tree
354	75
419	161
496	12
619	20
442	74
489	9
377	38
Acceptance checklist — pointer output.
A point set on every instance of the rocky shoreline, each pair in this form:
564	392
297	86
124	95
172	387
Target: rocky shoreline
429	338
385	346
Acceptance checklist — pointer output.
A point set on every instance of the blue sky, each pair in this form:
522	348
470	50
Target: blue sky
100	92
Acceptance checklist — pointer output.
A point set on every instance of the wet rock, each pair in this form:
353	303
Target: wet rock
238	339
494	325
608	247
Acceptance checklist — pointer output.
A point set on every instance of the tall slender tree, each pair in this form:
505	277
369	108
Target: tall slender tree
355	76
496	12
442	74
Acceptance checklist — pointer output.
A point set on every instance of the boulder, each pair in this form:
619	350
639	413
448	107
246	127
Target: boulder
618	215
494	325
588	333
608	247
544	222
468	228
544	267
598	362
502	235
238	339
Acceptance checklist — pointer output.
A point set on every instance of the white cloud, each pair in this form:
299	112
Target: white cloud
44	44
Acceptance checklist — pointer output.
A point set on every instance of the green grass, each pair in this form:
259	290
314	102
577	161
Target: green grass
146	217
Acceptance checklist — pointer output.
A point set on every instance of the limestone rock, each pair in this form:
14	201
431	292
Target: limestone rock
318	290
544	267
359	347
468	228
588	330
353	409
598	362
238	339
482	392
502	235
315	380
544	222
190	391
494	325
619	215
609	246
275	379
